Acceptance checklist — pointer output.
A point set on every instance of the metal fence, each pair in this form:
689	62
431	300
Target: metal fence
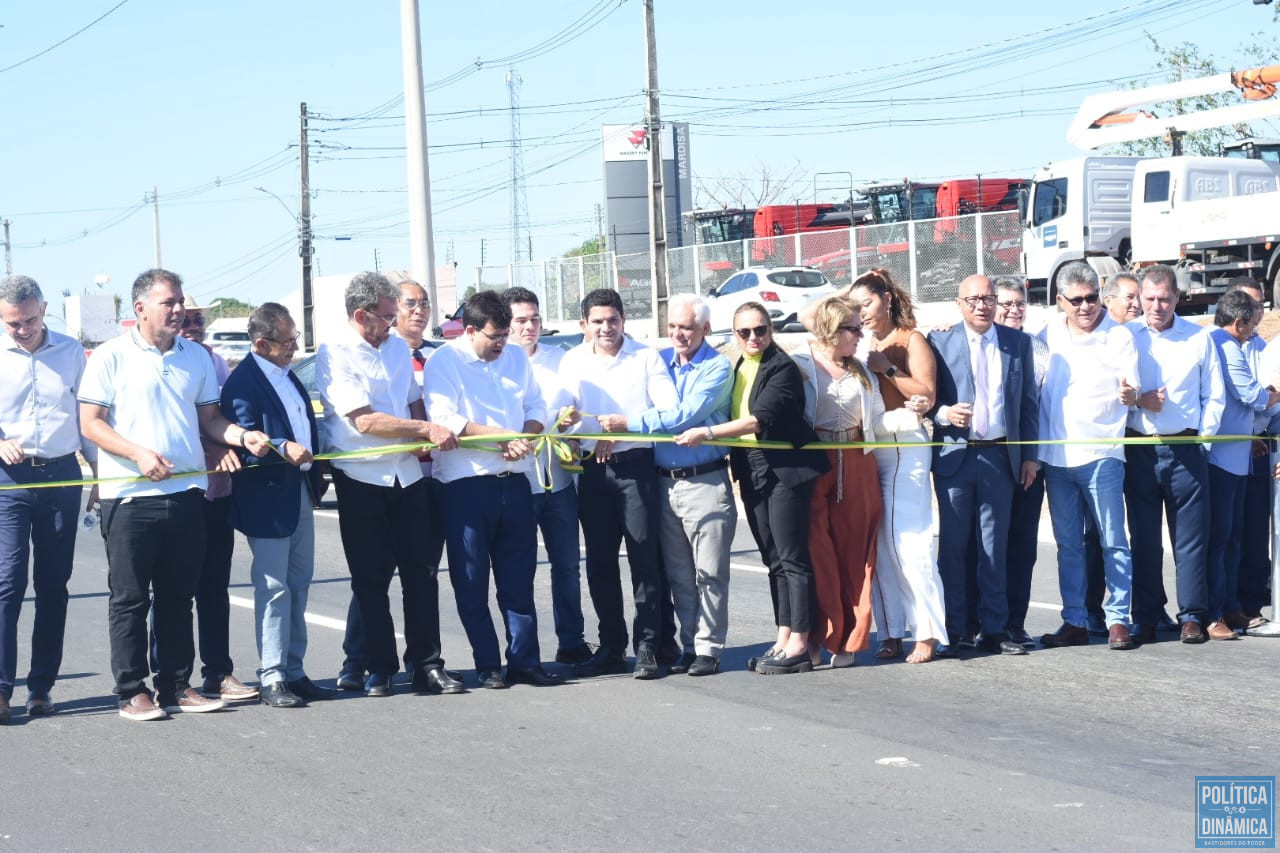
927	256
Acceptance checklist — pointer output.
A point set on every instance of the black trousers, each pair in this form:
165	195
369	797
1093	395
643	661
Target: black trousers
381	529
149	541
617	501
778	516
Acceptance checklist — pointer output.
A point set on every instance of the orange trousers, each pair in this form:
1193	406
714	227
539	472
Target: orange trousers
843	524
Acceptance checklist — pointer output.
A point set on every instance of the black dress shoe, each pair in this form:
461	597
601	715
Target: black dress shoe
308	690
1023	639
704	665
753	662
278	695
943	651
968	641
533	675
352	681
39	705
491	679
378	685
646	664
1000	645
437	679
604	662
682	665
575	655
667	655
786	665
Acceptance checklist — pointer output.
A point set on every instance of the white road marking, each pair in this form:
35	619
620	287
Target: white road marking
312	618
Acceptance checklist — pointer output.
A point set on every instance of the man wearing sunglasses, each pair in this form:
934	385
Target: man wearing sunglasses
1182	397
371	400
986	401
1090	383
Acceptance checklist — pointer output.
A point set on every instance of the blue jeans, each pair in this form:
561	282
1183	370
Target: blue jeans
1226	529
281	573
557	516
43	522
1096	488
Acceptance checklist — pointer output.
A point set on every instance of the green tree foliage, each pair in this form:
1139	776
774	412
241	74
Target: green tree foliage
1186	62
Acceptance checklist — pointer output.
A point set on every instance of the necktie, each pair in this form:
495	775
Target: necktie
418	359
981	404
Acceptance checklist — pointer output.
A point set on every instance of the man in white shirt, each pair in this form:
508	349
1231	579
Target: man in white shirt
146	399
371	401
618	490
273	500
478	386
555	496
1121	297
1180	398
39	437
1090	383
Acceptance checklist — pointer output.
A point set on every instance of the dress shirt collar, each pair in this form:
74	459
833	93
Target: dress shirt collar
270	370
704	352
973	335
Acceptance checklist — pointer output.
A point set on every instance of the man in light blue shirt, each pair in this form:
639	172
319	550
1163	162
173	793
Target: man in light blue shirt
698	513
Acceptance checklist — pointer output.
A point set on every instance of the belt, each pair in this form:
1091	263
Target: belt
624	456
1185	432
985	442
852	434
693	470
40	462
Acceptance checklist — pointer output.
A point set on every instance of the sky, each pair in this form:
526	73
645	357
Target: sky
102	101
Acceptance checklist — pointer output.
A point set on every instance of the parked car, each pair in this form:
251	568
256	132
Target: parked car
451	327
782	290
233	346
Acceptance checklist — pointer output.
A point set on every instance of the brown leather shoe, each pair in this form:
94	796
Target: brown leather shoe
1192	632
1219	630
140	708
1118	638
1067	635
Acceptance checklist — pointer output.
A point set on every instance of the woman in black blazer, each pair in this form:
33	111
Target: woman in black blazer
776	484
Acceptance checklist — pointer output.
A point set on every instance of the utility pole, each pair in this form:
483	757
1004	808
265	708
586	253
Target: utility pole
599	229
483	246
155	215
8	251
421	242
304	236
657	215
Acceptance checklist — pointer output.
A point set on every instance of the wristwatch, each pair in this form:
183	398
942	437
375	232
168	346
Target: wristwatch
891	371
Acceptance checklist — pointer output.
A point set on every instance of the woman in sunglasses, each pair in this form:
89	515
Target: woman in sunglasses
845	405
776	484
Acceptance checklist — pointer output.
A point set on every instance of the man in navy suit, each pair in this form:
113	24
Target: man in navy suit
272	503
986	400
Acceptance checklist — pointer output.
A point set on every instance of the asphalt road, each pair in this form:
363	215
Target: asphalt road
1056	750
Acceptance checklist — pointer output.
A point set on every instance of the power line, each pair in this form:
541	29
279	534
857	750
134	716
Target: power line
65	40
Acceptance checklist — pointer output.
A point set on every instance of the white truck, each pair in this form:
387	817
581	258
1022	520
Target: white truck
1210	217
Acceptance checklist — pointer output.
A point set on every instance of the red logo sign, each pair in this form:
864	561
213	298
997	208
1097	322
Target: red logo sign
637	136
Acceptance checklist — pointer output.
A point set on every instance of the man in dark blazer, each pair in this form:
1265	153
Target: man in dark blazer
272	503
986	400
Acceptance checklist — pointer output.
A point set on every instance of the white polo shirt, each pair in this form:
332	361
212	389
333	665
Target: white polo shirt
629	383
462	389
38	396
352	374
151	399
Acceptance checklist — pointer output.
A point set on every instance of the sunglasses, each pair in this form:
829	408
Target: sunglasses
758	331
1077	301
856	330
189	321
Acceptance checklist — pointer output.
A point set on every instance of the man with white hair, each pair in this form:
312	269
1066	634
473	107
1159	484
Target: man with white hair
698	513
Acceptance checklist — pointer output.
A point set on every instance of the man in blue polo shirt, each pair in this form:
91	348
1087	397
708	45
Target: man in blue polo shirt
698	513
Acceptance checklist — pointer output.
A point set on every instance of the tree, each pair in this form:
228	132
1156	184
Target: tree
1186	62
765	186
588	247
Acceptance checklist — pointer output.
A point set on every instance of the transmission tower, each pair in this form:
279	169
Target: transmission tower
521	245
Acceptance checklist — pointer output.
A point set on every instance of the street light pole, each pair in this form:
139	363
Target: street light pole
305	250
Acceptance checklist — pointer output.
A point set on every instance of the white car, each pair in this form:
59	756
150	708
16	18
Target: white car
782	290
233	346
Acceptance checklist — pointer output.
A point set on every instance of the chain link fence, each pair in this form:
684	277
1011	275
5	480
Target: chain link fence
929	257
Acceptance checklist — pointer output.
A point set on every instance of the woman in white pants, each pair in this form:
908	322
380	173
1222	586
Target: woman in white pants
907	591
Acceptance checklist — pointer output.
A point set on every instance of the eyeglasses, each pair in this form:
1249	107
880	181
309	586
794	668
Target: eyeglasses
975	301
758	331
192	320
286	341
413	304
389	321
502	336
856	330
1015	305
1077	301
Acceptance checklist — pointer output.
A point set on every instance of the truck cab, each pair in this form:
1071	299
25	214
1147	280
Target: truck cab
1077	210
